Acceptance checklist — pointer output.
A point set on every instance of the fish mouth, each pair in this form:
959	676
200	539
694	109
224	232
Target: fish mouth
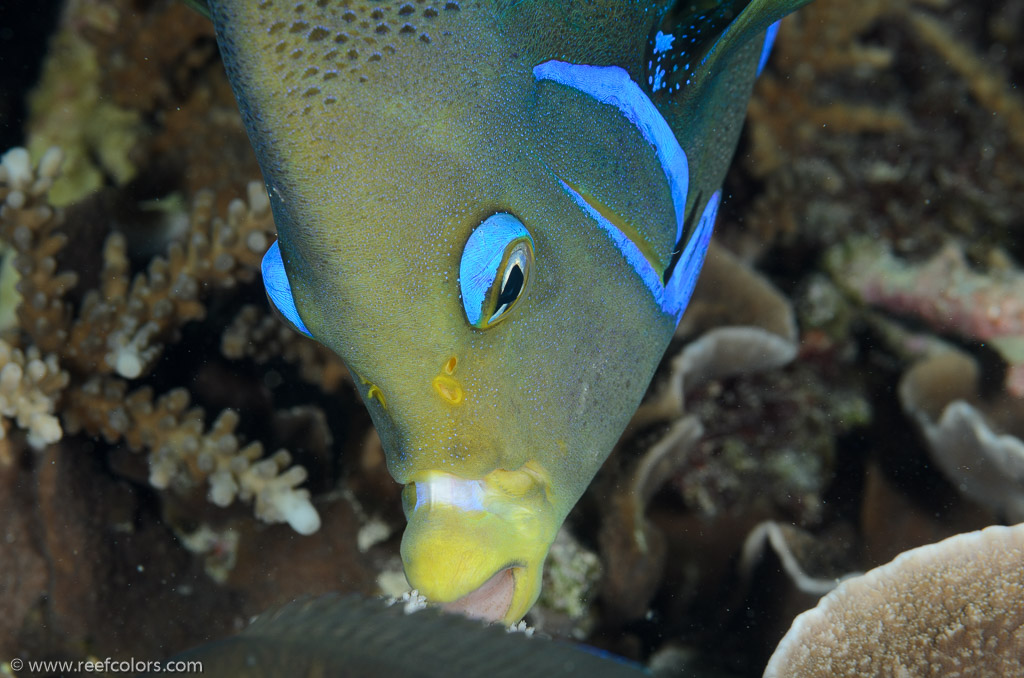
478	547
489	602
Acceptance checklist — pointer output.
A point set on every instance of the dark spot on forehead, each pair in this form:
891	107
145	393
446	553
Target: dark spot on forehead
318	33
413	22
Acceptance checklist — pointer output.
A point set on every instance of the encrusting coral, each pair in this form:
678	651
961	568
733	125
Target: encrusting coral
117	334
976	442
951	609
943	292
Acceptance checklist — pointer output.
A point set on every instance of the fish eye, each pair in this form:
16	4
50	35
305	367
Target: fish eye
495	269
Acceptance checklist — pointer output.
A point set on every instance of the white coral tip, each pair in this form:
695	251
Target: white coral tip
297	511
18	167
128	363
43	430
49	164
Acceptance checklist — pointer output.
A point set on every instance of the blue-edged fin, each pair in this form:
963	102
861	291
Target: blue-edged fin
279	289
766	49
758	16
682	278
694	40
355	637
199	6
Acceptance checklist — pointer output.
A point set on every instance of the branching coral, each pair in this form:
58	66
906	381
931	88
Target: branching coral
118	333
935	121
122	328
261	337
29	387
896	120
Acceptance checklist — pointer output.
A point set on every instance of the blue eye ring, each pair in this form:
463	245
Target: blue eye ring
496	266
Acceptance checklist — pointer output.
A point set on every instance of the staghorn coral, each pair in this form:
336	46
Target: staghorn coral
29	387
183	452
260	336
122	328
117	334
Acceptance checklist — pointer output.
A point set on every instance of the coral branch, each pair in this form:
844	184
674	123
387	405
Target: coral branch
125	333
184	454
259	336
31	226
121	329
29	388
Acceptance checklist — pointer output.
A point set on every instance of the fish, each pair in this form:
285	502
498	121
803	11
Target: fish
495	213
354	637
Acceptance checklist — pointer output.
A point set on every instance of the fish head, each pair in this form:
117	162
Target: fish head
497	228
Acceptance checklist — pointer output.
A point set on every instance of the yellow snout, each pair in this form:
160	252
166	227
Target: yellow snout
479	544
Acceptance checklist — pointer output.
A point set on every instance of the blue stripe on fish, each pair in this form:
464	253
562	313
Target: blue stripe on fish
612	85
275	280
769	40
684	278
634	257
671	298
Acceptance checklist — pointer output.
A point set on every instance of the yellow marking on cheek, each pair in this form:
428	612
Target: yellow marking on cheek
448	389
374	392
449	366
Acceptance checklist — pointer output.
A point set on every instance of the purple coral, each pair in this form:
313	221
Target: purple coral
945	293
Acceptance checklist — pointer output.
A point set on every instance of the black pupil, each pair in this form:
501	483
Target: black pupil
513	286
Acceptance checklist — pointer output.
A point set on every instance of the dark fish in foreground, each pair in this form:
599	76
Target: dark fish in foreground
353	636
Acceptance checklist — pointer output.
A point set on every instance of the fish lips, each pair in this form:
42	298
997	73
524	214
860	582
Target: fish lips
477	546
491	601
